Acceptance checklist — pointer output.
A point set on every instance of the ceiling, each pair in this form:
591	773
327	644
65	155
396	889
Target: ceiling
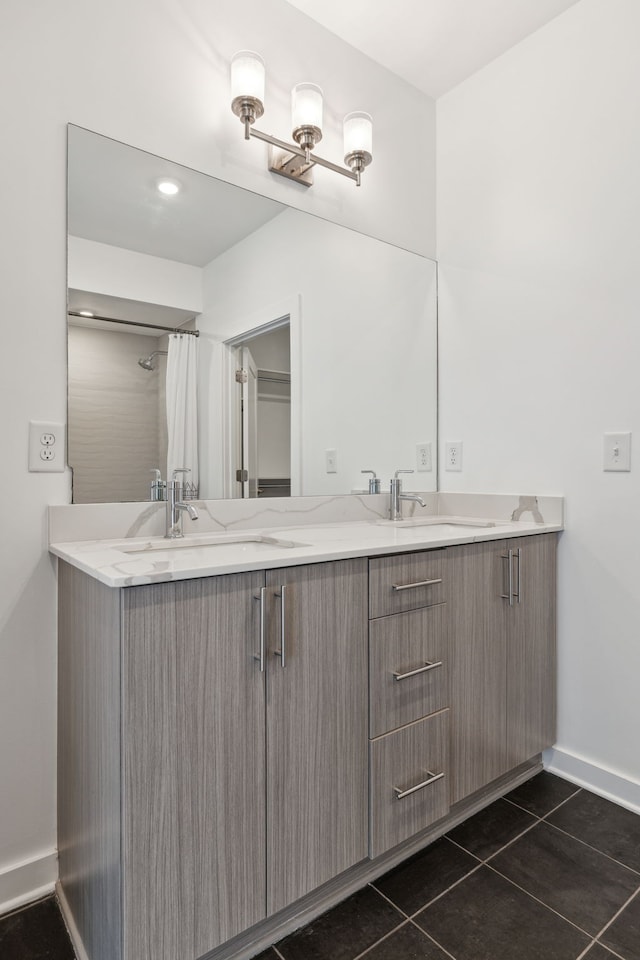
112	198
433	44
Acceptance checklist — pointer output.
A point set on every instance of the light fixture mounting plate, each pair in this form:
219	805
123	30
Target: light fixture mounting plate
291	166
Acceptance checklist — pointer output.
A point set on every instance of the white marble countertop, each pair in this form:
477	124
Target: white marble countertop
132	561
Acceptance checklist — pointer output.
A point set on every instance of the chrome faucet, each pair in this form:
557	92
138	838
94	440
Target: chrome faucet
175	506
395	510
374	482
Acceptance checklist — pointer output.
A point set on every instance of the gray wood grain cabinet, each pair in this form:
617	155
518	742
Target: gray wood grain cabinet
503	661
408	696
198	792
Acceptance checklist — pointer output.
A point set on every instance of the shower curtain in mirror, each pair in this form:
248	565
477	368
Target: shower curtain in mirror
182	413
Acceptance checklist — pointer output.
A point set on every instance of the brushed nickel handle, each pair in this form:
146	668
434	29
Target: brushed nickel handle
412	586
282	597
400	794
509	595
518	593
260	656
428	665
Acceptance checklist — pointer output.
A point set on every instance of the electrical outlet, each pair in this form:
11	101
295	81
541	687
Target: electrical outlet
46	447
331	461
453	455
423	457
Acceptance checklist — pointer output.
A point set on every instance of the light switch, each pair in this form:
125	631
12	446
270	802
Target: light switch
617	452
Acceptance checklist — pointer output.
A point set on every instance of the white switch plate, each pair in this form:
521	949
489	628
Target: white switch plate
453	455
423	457
46	446
617	452
331	460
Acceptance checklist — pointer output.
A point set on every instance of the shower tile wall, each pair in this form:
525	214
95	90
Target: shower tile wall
117	431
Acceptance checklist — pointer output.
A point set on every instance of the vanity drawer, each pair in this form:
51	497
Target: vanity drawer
409	786
408	676
406	582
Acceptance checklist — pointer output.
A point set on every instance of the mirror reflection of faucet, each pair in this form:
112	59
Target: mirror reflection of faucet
396	496
374	481
158	487
176	507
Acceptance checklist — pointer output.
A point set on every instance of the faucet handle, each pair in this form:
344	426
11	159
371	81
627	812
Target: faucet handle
402	471
180	470
374	482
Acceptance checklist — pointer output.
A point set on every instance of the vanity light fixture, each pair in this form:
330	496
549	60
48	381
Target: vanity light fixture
296	160
168	187
85	313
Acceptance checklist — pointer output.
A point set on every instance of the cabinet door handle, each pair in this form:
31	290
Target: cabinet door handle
428	665
260	656
509	595
400	794
282	597
518	555
412	586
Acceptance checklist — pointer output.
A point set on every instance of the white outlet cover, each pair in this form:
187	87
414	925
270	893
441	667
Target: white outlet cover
424	462
41	433
453	456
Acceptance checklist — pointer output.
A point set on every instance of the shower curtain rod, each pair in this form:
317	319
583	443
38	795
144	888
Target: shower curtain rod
132	323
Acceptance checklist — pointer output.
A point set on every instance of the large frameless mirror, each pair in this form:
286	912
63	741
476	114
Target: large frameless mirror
267	351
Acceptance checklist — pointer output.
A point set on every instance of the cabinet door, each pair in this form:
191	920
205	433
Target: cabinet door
316	726
193	766
531	649
478	665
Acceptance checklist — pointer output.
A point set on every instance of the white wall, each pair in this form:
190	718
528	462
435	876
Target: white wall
365	356
538	212
115	272
153	75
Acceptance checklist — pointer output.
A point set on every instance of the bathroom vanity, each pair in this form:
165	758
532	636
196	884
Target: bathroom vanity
250	731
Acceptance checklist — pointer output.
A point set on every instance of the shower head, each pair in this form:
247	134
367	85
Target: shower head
147	362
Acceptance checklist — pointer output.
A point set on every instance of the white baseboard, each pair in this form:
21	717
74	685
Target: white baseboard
585	773
29	880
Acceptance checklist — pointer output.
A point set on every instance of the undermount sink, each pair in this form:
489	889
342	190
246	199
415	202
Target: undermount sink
208	546
458	522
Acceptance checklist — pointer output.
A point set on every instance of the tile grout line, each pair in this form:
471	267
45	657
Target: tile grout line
591	847
381	940
549	812
434	899
537	900
389	900
616	915
433	940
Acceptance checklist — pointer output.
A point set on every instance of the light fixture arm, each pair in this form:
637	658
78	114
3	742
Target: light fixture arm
310	159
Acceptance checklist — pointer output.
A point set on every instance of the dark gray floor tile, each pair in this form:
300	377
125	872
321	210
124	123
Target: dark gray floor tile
345	931
542	793
487	918
407	943
35	933
269	954
578	882
598	952
486	832
623	935
426	875
605	825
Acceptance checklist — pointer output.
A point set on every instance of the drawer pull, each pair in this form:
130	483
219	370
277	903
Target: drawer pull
400	794
428	665
412	586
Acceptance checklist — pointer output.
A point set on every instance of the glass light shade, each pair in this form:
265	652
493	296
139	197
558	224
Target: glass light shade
306	106
247	75
358	133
